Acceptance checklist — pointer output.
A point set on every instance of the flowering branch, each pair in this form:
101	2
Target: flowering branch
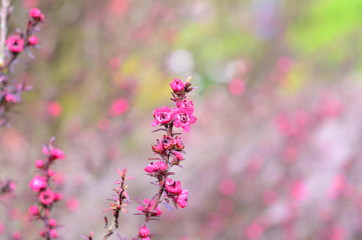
41	185
10	49
119	202
170	149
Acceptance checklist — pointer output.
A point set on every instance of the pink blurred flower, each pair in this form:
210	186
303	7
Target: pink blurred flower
52	222
36	14
254	231
236	87
47	197
38	183
227	186
33	40
73	204
184	118
53	233
147	206
162	115
118	107
33	210
16	236
39	163
178	144
298	191
144	231
54	109
15	43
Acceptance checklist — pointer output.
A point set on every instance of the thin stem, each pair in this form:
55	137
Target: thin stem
3	29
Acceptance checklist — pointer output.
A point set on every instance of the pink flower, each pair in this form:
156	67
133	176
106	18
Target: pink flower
150	168
47	197
53	153
145	238
167	142
161	166
54	109
15	43
36	14
182	199
52	222
162	115
173	187
177	157
147	207
184	118
11	98
33	40
158	148
33	210
178	144
38	183
118	107
58	196
177	85
185	103
53	233
39	163
144	231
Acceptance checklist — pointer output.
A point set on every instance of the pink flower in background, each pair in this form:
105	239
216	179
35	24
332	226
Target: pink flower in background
15	43
185	103
54	153
39	163
33	210
148	206
177	85
184	118
227	186
298	191
47	197
118	107
73	204
162	115
38	183
236	87
254	231
54	109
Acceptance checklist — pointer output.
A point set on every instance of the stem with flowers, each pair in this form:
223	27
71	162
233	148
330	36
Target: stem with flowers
169	148
10	49
46	197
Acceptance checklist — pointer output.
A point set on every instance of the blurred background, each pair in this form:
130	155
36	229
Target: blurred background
276	150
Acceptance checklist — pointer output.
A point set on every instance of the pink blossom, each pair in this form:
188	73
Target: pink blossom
58	196
177	157
11	98
254	231
161	166
16	236
236	87
118	107
33	210
52	222
38	183
73	204
144	231
150	168
53	153
167	142
178	144
184	118
177	85
162	115
185	103
53	233
54	109
147	206
39	163
36	14
47	197
182	199
33	40
173	187
146	238
158	148
227	186
15	43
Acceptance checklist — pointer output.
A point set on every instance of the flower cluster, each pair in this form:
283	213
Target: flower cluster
170	149
41	185
14	44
